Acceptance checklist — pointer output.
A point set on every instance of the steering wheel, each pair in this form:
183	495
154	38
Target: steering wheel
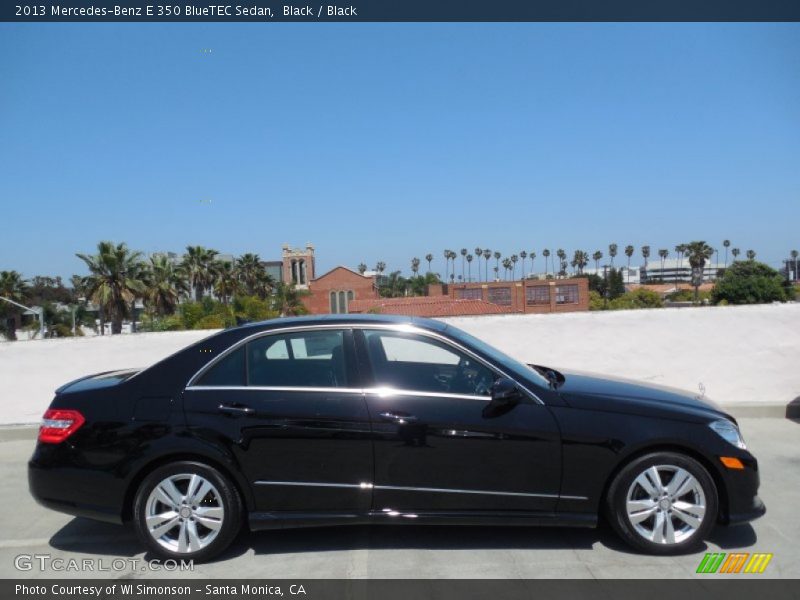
475	381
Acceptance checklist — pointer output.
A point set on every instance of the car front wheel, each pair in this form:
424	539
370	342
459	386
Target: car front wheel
187	510
663	503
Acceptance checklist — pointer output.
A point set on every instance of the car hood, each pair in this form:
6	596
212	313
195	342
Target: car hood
611	394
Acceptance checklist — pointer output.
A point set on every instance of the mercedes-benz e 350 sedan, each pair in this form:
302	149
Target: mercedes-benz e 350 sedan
349	419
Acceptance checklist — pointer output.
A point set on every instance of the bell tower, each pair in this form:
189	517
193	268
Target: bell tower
298	265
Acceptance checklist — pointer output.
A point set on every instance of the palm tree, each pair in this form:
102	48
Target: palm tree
13	287
228	282
380	267
735	252
533	258
596	258
113	282
629	253
663	253
751	255
612	252
523	255
645	255
200	265
562	257
429	258
680	249
478	254
446	255
794	254
362	268
546	254
506	267
726	244
514	259
415	266
698	253
165	284
487	254
469	266
463	258
288	300
250	271
497	256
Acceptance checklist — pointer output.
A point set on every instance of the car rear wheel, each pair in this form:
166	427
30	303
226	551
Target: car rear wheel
187	510
663	503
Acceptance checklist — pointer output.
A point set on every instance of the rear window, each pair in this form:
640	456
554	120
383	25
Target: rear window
228	371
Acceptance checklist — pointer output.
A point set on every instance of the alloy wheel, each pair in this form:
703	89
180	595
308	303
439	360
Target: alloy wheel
665	504
184	513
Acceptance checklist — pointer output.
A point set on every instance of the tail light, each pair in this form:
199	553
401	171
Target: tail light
58	424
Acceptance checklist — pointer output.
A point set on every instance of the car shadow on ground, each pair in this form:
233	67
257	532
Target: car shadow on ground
91	537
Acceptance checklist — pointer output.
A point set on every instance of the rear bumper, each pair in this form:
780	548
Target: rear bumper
78	492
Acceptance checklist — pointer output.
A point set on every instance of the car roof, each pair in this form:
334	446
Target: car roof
345	319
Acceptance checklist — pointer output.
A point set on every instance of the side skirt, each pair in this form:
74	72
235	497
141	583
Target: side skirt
288	520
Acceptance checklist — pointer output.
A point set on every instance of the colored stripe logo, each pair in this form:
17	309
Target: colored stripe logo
735	562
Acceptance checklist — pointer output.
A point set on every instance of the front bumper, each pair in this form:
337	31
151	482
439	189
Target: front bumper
741	501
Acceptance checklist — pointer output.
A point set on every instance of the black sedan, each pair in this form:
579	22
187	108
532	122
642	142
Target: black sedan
350	419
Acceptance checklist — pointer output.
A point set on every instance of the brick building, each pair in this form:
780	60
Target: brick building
334	291
343	290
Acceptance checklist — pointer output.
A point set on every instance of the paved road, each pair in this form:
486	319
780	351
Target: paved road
414	551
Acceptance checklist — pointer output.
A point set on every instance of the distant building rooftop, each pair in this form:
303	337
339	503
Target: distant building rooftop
427	306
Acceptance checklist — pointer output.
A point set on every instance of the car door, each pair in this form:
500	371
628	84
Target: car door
287	407
438	444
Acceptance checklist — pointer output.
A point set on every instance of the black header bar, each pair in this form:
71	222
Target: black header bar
269	11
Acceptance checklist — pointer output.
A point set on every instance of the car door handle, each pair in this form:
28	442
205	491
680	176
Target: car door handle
399	418
236	411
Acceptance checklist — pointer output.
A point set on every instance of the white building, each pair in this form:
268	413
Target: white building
675	269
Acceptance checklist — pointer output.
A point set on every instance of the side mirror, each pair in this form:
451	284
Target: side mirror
505	396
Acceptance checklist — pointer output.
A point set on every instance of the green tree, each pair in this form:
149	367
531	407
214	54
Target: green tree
362	268
663	253
249	269
497	256
288	300
514	258
612	252
200	265
523	255
164	285
478	254
114	281
469	266
546	254
750	282
229	282
415	266
596	257
13	287
429	258
751	255
726	244
629	253
735	252
487	254
464	252
698	253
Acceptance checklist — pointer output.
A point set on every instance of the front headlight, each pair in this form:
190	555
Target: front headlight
729	432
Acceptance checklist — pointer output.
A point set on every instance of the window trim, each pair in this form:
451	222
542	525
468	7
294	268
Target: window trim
403	327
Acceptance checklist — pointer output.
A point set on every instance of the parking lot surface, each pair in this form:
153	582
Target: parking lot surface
405	551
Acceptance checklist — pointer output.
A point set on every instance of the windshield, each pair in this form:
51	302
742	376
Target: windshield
505	361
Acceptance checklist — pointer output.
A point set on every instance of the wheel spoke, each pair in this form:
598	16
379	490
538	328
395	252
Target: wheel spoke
168	493
640	510
200	492
195	542
669	530
680	484
691	514
650	481
161	524
211	512
657	535
183	537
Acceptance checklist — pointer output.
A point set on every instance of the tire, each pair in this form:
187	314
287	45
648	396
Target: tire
194	511
661	519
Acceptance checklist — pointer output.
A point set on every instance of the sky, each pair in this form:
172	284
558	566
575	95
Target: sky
389	141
